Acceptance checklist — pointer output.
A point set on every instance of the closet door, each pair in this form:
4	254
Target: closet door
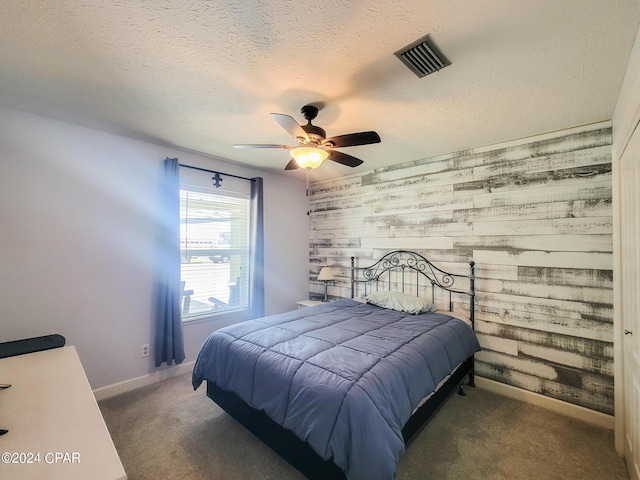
630	290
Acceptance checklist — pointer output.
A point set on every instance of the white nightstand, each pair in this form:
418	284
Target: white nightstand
308	303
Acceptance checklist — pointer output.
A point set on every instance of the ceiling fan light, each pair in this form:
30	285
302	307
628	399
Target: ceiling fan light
309	157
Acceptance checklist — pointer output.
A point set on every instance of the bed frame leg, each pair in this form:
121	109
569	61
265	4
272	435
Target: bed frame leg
461	390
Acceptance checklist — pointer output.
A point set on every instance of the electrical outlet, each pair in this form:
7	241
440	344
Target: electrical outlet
145	350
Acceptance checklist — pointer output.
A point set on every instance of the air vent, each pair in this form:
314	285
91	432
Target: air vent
423	57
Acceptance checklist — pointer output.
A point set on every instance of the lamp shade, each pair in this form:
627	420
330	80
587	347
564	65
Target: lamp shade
325	274
309	157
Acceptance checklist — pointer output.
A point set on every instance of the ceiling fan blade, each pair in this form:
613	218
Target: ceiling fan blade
262	145
290	125
344	159
292	165
352	139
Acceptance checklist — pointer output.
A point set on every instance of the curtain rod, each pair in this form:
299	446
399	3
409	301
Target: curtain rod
216	179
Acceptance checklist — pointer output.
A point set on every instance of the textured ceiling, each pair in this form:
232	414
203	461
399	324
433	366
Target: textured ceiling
203	75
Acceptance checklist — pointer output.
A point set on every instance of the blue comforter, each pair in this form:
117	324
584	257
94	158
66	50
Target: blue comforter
343	376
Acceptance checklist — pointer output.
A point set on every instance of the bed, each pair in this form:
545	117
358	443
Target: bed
339	388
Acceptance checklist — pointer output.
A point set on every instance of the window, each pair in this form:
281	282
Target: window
214	250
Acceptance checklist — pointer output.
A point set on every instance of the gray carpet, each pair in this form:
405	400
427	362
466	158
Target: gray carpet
167	431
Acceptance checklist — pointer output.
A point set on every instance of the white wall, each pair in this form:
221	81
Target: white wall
78	211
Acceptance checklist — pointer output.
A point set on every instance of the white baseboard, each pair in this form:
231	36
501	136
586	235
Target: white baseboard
558	406
564	408
134	383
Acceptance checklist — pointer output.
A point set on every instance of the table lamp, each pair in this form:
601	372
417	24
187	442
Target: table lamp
325	275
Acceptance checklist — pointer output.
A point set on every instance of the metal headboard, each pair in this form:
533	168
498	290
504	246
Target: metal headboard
408	264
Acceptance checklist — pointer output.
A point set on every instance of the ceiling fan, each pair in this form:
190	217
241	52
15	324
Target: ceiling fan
313	146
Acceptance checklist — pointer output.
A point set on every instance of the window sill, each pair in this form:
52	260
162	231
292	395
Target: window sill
238	315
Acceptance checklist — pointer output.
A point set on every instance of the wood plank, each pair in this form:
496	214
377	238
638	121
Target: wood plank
356	209
588	138
318	190
425	230
563	357
558	142
546	306
547	243
401	180
335	252
339	193
580	345
536	179
498	272
600	384
592	400
536	211
374	199
523	365
343	217
344	231
471	158
507	190
559	276
410	219
546	194
497	344
408	243
569	326
596	260
337	242
418	168
574	293
546	164
556	226
418	206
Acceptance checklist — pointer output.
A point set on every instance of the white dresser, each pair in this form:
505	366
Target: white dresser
56	430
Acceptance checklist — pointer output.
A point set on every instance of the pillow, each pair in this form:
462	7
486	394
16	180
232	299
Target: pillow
402	302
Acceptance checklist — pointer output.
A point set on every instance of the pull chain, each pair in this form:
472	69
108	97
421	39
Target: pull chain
307	191
307	182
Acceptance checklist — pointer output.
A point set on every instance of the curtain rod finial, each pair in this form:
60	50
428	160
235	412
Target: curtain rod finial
217	180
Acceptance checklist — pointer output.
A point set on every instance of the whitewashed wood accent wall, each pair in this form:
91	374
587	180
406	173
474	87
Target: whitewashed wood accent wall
535	216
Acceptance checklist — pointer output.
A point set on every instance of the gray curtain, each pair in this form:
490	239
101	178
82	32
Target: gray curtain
256	278
169	342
